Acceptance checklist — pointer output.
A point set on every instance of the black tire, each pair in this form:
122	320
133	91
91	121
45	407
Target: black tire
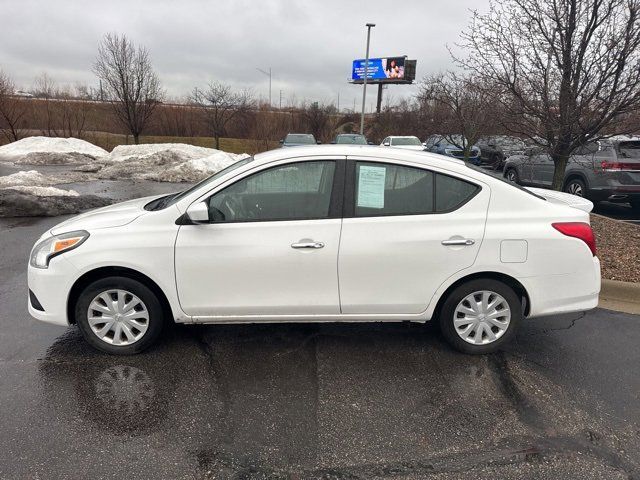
447	313
575	186
511	174
149	299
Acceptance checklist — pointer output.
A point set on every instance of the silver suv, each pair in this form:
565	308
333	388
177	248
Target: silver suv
604	170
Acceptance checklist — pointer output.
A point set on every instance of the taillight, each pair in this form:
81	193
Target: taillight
619	166
578	230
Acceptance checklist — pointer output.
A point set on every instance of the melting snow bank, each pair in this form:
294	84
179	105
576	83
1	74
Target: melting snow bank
35	178
50	151
165	162
30	201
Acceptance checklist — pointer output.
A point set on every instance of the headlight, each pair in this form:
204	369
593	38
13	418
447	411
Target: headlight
44	251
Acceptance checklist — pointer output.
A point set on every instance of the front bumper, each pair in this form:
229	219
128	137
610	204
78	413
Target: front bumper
51	287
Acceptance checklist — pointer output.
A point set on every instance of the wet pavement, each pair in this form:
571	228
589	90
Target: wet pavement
354	401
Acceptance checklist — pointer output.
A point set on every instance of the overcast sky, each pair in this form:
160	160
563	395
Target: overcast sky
308	44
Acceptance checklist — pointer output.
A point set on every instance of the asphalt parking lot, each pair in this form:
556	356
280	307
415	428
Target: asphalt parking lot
314	401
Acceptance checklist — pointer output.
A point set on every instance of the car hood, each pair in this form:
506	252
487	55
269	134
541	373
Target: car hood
112	216
563	198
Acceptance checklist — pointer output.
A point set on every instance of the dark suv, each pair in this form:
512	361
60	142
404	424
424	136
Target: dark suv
604	170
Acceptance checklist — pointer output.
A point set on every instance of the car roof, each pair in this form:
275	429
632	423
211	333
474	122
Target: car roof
402	136
429	159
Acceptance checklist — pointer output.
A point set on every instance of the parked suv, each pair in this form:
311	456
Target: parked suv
351	139
604	170
448	145
495	149
297	139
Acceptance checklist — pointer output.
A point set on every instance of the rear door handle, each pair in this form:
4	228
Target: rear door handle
458	241
307	245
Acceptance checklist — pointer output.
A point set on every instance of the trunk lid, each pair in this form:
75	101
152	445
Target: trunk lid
562	198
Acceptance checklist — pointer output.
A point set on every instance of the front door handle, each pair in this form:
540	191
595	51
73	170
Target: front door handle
458	241
307	245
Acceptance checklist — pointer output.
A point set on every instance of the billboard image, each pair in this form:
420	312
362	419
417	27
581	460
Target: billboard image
387	69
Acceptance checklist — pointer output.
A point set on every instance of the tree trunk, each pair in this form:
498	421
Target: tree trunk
136	138
217	139
560	165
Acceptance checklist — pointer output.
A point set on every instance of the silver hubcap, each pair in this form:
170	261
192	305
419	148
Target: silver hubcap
482	317
575	189
118	317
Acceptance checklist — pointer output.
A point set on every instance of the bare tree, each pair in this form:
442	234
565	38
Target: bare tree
465	107
129	82
220	104
568	70
13	110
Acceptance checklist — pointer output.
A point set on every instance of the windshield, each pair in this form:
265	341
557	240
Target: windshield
351	139
301	138
406	141
168	200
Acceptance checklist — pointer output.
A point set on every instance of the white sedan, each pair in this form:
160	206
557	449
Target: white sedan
321	234
405	142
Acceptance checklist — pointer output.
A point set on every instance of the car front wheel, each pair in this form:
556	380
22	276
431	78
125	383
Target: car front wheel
479	316
119	315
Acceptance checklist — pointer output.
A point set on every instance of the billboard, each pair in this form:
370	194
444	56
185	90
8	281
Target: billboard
380	70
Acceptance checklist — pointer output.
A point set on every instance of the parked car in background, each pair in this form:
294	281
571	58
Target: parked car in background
321	234
605	170
406	142
449	146
495	149
297	139
351	139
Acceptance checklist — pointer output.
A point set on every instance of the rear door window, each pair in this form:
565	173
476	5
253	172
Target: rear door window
383	189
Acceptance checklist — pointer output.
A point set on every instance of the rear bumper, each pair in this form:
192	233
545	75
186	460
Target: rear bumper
572	292
621	193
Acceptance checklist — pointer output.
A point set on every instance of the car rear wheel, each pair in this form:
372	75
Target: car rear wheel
512	175
119	315
575	186
479	316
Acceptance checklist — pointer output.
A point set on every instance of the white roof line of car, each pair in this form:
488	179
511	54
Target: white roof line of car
373	151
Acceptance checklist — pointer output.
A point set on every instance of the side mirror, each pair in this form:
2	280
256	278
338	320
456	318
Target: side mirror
387	144
198	212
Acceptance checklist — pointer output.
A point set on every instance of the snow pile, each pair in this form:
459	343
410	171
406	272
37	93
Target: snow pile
169	162
29	146
55	158
31	177
157	151
30	201
35	178
44	191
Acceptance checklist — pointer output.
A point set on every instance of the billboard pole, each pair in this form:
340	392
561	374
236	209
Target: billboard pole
366	74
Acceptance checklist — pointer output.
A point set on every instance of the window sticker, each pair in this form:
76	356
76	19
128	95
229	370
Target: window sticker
371	182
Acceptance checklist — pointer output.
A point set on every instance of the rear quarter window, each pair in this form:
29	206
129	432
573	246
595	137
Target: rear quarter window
451	192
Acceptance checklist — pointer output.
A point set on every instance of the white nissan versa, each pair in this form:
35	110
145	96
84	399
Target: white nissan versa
322	234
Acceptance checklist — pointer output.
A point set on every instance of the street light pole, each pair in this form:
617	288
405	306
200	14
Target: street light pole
366	74
268	74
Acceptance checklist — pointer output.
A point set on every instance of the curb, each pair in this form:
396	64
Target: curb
620	296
